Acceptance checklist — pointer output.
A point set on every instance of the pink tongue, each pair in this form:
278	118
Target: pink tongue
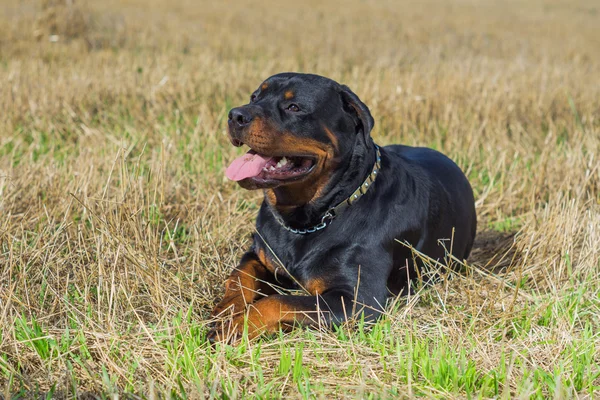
246	166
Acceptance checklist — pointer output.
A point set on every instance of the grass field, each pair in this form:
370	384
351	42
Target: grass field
118	228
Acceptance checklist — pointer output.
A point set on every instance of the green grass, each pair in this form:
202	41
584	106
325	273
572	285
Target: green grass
429	365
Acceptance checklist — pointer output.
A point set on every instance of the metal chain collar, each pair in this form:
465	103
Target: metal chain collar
337	210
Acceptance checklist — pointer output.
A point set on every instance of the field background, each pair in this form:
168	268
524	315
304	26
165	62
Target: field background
117	226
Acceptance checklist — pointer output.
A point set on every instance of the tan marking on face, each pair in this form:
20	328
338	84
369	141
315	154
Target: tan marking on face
307	146
264	86
265	139
319	187
309	189
259	136
288	95
332	138
271	198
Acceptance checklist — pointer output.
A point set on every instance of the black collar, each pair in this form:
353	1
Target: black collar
340	208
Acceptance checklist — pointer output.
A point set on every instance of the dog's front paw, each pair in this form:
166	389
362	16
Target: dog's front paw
229	307
228	331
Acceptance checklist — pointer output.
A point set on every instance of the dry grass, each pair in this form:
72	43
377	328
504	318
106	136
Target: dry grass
117	227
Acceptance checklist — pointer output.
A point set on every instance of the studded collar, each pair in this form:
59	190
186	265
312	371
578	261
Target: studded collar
333	212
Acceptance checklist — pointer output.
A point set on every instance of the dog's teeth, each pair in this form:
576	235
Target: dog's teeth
282	162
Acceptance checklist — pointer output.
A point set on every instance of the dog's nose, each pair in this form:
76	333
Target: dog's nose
240	117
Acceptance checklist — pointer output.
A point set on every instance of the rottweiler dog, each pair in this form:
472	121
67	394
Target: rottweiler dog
339	215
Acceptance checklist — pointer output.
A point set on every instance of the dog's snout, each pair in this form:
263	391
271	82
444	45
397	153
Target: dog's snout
240	117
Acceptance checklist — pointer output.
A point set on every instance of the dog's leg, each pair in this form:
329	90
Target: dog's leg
270	314
248	281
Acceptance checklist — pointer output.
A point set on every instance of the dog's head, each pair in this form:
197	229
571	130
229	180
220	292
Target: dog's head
299	128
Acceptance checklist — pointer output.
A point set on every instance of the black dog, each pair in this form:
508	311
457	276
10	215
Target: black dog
337	209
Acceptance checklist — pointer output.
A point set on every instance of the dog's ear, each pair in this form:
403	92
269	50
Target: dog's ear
354	106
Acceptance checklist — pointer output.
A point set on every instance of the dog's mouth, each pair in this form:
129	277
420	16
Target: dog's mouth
260	167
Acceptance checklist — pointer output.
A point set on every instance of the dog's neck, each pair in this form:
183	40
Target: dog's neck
304	206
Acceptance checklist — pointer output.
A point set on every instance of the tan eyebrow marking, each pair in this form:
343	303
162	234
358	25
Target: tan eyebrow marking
288	95
264	86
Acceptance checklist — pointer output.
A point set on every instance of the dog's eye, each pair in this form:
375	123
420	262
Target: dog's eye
252	98
293	108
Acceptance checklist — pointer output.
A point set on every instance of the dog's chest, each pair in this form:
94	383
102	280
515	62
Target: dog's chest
291	262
